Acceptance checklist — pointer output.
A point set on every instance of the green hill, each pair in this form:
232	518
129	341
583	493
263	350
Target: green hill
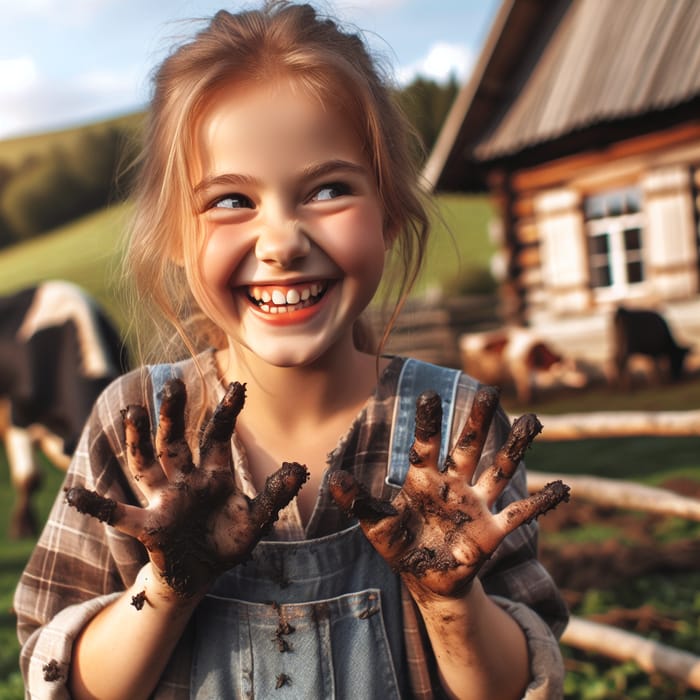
84	252
14	151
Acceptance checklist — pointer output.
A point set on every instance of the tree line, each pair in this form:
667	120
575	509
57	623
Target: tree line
87	169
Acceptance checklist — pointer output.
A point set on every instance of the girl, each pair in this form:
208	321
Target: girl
276	176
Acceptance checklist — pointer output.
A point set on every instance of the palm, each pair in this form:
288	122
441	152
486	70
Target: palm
197	523
440	529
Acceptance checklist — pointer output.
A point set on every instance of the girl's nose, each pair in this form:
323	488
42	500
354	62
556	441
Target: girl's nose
282	244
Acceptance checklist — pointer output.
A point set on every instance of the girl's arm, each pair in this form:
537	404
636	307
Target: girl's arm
123	650
196	524
481	651
439	531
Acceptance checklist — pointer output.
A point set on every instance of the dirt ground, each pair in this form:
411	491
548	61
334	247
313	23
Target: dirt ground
577	567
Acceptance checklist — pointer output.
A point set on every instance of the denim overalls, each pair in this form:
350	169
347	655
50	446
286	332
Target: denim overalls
317	618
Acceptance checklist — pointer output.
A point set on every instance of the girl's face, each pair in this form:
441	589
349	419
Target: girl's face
294	245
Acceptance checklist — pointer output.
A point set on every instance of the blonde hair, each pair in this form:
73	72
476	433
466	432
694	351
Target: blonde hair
280	39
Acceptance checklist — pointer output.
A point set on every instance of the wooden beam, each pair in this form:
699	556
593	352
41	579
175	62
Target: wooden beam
620	494
618	644
605	424
563	169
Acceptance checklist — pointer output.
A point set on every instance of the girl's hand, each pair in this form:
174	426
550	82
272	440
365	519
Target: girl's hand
439	529
197	523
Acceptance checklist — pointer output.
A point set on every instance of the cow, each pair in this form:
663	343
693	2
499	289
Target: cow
58	351
645	332
519	358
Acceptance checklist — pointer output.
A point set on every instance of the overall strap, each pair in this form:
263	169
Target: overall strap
160	374
417	376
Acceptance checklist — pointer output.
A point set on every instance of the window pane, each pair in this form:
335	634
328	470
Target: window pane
616	205
600	276
633	239
594	208
599	244
633	201
635	272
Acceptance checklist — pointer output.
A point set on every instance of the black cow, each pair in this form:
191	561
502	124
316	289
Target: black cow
58	351
645	332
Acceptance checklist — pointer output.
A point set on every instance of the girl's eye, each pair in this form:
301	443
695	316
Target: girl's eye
330	191
233	201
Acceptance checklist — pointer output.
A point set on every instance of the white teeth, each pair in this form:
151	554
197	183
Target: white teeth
278	301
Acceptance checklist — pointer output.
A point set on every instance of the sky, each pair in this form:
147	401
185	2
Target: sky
64	63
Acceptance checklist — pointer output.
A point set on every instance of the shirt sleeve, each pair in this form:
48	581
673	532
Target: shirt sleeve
546	663
514	571
79	564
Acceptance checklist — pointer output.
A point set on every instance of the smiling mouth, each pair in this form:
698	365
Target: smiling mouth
281	300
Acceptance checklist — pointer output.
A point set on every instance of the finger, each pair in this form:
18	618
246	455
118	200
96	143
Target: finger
173	451
492	482
215	440
279	490
352	497
388	529
426	444
464	458
520	512
140	455
125	518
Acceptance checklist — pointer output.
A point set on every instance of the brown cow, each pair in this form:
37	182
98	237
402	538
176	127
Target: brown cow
519	358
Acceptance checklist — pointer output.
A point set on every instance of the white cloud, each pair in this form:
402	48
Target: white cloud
442	60
17	75
29	101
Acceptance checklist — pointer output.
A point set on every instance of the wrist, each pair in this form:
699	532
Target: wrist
445	606
150	588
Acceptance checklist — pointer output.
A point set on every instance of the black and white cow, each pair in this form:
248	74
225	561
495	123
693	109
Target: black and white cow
58	350
645	332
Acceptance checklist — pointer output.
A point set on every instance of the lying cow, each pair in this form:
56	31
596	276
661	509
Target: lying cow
645	332
518	358
58	351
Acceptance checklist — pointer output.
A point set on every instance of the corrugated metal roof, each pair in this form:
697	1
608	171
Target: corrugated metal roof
607	60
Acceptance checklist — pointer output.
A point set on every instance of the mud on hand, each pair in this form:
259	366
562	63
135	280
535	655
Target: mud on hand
197	523
439	529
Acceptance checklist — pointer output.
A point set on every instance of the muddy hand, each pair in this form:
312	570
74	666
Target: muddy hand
439	529
197	523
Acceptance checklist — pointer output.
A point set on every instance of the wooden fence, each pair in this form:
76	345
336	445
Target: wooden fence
430	331
592	636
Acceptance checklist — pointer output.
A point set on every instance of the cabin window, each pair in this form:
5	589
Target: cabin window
615	232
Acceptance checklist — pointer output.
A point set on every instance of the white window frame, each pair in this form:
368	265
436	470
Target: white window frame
618	256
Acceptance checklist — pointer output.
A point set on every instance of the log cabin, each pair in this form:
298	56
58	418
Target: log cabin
581	119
